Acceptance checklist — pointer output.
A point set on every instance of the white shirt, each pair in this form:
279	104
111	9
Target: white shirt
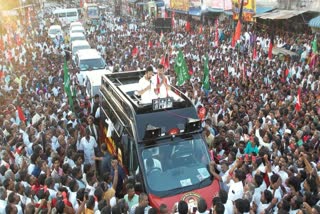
235	191
88	146
163	90
148	95
228	207
3	205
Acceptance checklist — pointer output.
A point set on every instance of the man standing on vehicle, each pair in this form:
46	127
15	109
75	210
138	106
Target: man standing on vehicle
145	86
160	83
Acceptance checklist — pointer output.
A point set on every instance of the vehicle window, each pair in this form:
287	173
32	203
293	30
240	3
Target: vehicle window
61	15
92	11
175	164
54	31
71	14
92	64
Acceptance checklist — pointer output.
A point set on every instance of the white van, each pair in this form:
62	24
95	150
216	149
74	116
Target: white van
77	29
66	16
76	37
93	82
78	45
89	60
73	24
54	30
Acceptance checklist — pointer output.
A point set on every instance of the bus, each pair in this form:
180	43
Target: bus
67	15
159	145
91	13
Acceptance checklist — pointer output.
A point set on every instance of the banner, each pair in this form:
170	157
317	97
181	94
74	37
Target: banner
249	9
195	3
299	5
218	4
180	5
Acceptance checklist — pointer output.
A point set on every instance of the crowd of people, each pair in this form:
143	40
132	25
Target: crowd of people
261	120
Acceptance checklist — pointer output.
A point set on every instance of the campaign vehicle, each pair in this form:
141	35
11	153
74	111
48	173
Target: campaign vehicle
77	37
78	45
159	144
66	15
91	13
55	30
88	60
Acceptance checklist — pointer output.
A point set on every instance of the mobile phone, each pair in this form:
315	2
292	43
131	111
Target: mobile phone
194	209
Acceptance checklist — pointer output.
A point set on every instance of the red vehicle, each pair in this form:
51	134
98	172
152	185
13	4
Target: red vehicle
159	144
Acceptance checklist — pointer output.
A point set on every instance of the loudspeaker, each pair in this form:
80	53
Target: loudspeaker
162	24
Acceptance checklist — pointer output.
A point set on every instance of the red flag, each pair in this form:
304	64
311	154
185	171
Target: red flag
286	73
298	103
233	41
188	27
217	33
21	114
237	33
134	52
200	29
162	61
150	45
270	48
254	54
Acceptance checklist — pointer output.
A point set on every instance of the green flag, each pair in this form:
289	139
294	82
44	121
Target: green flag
314	45
181	69
206	82
66	80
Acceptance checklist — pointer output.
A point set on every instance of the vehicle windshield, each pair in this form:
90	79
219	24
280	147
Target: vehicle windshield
92	64
176	166
77	31
54	31
77	48
92	11
77	38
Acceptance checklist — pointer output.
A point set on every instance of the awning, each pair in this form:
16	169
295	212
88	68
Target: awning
141	3
193	11
260	10
315	22
280	14
177	11
160	3
228	12
214	10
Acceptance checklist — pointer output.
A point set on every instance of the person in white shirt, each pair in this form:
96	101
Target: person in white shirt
266	198
160	83
236	185
88	144
145	86
3	201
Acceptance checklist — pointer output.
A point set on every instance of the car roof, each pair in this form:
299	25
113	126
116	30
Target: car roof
75	34
75	24
55	27
80	42
88	54
77	27
95	76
